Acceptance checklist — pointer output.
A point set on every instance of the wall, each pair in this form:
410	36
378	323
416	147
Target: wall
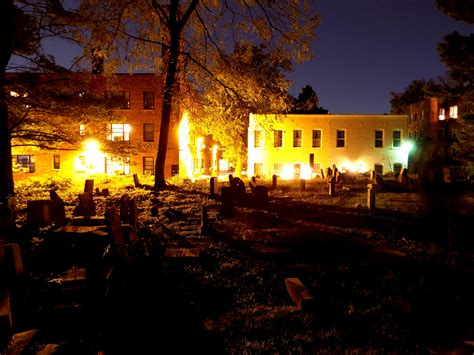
359	151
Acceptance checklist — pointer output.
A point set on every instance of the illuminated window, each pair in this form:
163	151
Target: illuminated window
378	138
317	168
23	163
148	132
258	139
56	162
378	168
119	132
340	138
118	99
453	111
82	166
277	169
278	138
297	138
258	169
441	115
397	167
117	165
397	138
82	129
148	165
148	100
296	171
316	138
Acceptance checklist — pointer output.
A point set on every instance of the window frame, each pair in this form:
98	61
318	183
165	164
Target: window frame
394	139
146	133
18	159
297	141
56	162
258	138
316	140
339	139
278	138
146	165
118	99
115	131
378	143
146	104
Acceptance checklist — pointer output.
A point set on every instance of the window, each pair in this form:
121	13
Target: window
23	163
277	169
148	132
340	138
278	138
311	160
82	130
258	139
296	171
316	138
56	162
441	115
378	138
148	100
397	167
453	112
118	99
119	132
297	138
148	165
258	169
317	168
378	168
117	165
397	138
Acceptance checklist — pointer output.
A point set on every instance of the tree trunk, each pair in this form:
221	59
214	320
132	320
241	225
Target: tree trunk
170	81
6	50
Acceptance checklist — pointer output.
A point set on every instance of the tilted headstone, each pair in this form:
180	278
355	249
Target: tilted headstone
274	182
212	188
86	206
125	208
89	186
227	200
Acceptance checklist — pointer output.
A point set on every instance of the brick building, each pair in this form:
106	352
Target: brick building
136	99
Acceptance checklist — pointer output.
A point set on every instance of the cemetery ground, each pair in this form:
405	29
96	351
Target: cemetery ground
305	272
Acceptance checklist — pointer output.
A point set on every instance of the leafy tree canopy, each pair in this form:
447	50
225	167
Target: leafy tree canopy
462	10
307	102
457	54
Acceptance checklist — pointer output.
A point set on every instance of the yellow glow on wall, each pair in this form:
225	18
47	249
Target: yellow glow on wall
355	167
305	172
287	172
185	156
91	159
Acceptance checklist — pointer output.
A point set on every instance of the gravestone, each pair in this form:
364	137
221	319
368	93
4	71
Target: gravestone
58	211
403	177
212	188
302	184
274	181
125	208
332	186
237	187
89	186
39	212
338	175
204	227
328	173
136	181
86	206
113	221
322	173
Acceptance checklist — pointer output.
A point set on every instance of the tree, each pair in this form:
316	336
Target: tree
307	102
184	39
457	54
462	10
417	90
255	83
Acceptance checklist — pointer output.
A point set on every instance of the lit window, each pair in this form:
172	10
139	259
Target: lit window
397	138
82	129
341	138
148	132
278	138
56	162
119	132
117	165
378	169
277	169
442	115
453	111
316	138
118	99
258	169
378	138
23	163
258	139
297	138
148	165
148	100
296	171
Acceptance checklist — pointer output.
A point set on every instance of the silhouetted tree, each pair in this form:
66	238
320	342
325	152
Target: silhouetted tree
307	102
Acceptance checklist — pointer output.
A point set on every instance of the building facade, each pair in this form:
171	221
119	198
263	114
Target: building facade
136	99
299	146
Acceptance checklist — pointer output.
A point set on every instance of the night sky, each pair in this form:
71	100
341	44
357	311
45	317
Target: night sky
368	48
365	50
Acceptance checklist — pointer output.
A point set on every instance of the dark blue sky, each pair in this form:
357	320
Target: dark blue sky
365	50
368	48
